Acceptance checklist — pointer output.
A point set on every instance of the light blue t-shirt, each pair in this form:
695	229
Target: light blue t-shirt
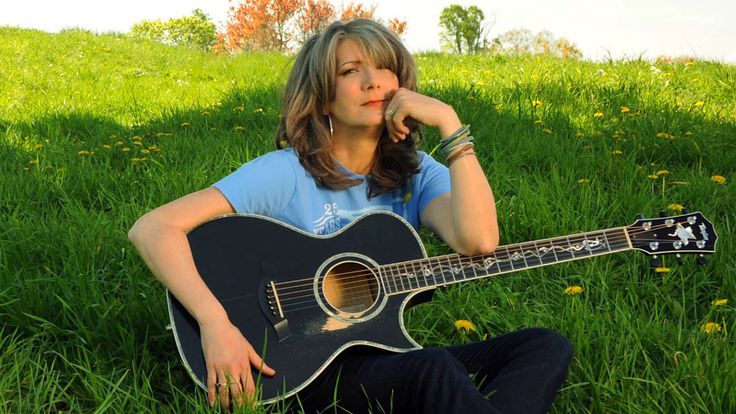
277	185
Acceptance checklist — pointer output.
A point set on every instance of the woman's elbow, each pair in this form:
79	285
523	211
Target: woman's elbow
483	244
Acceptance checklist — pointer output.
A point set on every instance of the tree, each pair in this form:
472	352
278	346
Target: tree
517	41
462	28
357	11
261	24
397	26
196	31
314	17
284	24
523	41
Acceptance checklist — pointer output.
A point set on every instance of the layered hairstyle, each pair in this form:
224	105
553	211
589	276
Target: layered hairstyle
311	87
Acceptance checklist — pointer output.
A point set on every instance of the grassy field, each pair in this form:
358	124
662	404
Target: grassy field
97	130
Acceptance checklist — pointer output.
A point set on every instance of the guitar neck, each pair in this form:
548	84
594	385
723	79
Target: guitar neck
444	270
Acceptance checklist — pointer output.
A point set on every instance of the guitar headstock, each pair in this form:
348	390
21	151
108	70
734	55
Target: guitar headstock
683	234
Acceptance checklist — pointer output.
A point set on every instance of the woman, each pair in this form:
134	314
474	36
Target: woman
348	137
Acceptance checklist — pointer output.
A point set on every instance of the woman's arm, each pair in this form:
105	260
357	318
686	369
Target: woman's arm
160	237
466	217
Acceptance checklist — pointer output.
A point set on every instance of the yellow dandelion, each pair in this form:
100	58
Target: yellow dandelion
33	162
573	290
239	128
598	114
699	104
125	149
138	143
652	176
580	134
710	327
538	122
583	181
137	138
138	160
258	110
184	124
38	147
85	152
547	131
719	302
675	207
625	110
465	325
119	143
240	108
689	133
536	103
205	114
106	146
662	172
662	270
718	179
145	151
617	153
665	135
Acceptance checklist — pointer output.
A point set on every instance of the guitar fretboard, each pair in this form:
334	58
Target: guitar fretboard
444	270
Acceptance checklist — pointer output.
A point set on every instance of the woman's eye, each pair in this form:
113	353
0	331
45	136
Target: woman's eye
348	71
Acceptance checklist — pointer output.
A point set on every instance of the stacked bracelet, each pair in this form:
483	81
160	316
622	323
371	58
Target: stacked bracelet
458	139
457	145
462	152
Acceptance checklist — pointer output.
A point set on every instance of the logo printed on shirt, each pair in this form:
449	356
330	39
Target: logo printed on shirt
330	221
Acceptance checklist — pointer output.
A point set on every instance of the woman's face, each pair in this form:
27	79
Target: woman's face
362	91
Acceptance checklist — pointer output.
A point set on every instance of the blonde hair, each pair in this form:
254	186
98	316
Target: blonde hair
311	87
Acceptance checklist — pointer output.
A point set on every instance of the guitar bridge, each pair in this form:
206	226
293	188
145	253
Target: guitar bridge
272	310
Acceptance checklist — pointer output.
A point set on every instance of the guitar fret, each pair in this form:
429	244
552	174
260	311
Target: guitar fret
510	259
442	273
382	279
425	270
435	276
608	243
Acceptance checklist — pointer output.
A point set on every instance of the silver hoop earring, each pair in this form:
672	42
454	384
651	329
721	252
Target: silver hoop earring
329	119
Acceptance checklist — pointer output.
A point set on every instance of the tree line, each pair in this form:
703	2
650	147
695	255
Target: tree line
284	25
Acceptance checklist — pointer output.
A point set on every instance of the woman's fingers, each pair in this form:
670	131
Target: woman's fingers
223	389
211	385
257	362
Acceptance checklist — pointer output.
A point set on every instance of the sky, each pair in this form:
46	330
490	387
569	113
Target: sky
601	29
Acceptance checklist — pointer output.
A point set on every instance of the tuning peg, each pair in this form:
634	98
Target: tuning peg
655	262
640	216
702	260
662	213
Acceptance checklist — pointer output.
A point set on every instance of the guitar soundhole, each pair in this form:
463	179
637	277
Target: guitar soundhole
351	288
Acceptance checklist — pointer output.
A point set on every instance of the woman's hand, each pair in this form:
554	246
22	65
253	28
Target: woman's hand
229	357
423	109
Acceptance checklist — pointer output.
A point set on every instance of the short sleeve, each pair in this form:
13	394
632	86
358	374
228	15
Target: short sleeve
433	181
262	186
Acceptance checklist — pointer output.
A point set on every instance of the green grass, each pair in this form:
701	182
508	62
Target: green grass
83	322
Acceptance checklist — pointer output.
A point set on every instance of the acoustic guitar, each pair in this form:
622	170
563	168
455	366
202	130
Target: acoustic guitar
303	299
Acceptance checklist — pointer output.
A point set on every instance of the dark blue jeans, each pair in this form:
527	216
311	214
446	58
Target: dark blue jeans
518	372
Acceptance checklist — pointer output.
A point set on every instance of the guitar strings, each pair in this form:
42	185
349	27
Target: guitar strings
511	250
519	246
364	276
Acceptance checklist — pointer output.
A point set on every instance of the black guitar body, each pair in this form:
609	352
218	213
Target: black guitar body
300	299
